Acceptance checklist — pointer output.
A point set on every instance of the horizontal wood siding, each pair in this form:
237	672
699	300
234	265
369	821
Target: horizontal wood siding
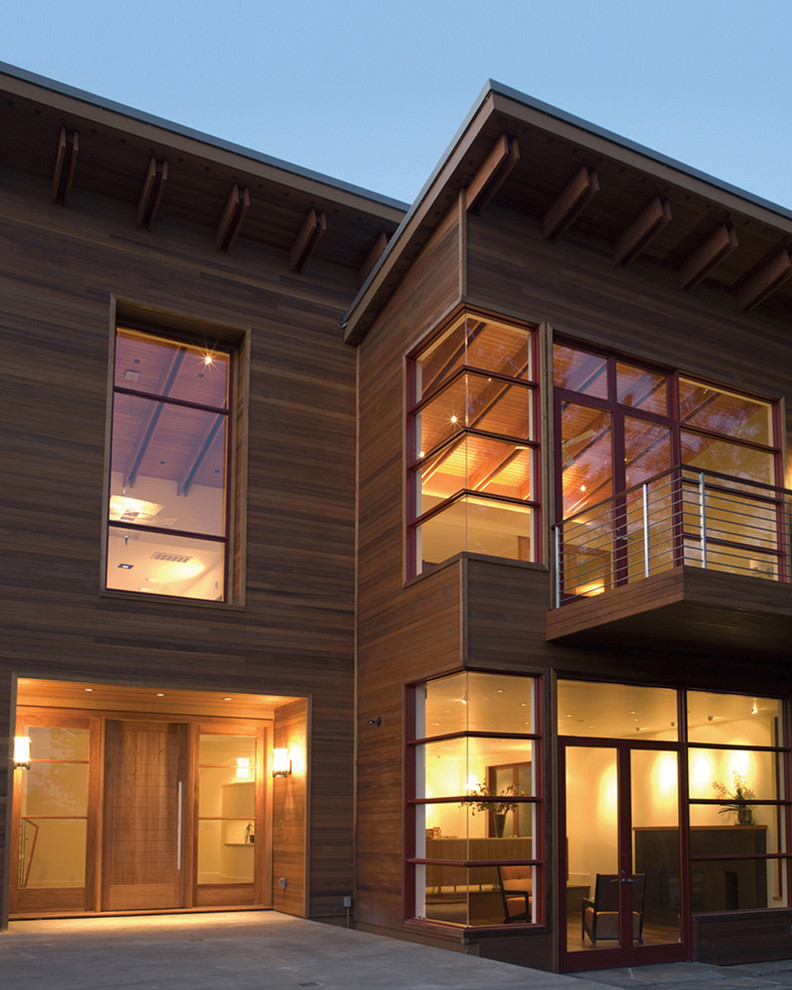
6	788
728	940
294	637
290	812
404	633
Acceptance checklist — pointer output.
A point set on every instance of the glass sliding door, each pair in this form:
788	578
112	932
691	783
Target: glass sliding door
622	889
623	868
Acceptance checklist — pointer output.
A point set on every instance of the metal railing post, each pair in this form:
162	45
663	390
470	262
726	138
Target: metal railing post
558	567
703	520
646	528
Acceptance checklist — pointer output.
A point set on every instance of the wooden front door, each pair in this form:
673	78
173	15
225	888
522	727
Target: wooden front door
143	849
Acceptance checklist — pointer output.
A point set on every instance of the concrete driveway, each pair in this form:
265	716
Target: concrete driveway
263	950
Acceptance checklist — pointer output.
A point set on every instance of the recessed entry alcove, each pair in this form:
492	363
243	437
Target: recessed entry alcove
144	799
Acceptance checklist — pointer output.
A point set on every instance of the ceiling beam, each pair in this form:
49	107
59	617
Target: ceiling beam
764	282
236	208
642	231
379	245
708	256
65	163
149	428
306	241
570	204
497	167
151	195
185	484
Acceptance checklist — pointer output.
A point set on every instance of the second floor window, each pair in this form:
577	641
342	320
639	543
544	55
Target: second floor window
168	510
473	470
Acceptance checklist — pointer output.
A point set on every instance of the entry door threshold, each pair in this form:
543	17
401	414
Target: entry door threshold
225	908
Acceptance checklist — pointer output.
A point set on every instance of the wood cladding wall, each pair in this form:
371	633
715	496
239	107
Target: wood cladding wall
402	634
294	637
290	812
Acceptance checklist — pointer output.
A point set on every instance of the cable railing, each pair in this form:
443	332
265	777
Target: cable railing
682	517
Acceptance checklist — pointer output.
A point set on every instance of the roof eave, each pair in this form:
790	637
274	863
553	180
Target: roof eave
500	99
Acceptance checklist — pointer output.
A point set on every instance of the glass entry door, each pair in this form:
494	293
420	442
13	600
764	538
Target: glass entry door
622	895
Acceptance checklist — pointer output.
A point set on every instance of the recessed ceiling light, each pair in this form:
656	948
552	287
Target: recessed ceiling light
160	694
126	567
228	699
88	689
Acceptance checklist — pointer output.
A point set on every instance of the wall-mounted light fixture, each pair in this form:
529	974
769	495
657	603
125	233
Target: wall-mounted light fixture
21	752
281	763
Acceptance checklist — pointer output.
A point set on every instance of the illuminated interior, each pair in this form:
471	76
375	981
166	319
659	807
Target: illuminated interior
473	444
476	798
619	427
132	791
622	753
167	511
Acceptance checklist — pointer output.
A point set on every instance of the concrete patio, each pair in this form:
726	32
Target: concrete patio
270	951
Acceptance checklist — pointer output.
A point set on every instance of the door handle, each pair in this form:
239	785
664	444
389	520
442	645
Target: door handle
179	827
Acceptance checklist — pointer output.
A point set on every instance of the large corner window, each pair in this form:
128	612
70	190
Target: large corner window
644	456
473	480
167	529
676	799
477	851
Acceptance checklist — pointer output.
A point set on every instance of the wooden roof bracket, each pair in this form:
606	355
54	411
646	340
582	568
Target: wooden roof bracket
764	282
708	256
570	204
65	163
379	245
311	232
642	231
236	208
151	195
498	166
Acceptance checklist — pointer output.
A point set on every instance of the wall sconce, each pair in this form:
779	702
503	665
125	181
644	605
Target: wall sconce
21	752
281	764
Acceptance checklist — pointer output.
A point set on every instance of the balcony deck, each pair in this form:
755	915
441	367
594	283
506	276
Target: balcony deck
689	560
684	608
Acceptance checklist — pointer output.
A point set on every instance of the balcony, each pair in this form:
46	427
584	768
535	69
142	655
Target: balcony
691	559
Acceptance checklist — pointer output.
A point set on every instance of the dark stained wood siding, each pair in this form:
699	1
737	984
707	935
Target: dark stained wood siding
403	634
290	812
62	270
7	702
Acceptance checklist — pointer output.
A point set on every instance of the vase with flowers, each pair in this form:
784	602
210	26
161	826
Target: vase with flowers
734	801
496	804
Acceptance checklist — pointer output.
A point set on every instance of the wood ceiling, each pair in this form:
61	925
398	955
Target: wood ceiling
155	699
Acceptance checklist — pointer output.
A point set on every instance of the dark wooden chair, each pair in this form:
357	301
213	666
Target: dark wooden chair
601	913
516	886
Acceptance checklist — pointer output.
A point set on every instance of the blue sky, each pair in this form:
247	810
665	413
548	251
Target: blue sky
372	93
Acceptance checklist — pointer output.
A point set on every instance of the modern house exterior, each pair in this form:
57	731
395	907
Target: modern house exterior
424	565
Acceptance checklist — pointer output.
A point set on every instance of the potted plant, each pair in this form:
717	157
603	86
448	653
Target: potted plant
735	801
